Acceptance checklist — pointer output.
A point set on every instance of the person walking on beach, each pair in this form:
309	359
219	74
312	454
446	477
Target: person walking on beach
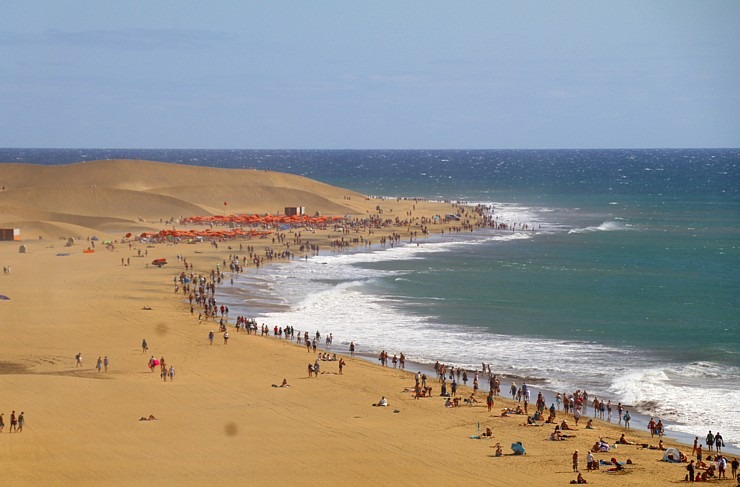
172	373
13	421
575	461
2	422
627	419
341	365
78	359
144	346
21	421
651	427
226	338
352	349
710	440
105	364
718	442
99	364
210	337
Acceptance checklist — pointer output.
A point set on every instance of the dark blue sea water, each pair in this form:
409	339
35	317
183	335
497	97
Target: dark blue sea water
629	287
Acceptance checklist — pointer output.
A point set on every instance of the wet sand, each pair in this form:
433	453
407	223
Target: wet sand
220	420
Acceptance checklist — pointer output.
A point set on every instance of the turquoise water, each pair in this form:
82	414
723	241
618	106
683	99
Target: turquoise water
629	286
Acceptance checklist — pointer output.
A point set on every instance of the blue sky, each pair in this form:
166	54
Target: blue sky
370	75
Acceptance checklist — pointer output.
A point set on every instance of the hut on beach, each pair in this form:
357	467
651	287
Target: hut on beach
8	234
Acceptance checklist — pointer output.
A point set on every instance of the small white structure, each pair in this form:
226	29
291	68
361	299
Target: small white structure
295	210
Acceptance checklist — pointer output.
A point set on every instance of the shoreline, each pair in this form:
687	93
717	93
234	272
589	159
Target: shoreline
639	418
218	419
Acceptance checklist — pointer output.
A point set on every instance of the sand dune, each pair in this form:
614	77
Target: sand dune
97	194
220	422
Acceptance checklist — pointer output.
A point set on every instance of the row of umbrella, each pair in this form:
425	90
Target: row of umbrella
262	220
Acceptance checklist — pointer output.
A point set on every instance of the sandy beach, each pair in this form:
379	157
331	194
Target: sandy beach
220	420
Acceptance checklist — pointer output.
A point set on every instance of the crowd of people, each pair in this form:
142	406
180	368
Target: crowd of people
16	422
201	290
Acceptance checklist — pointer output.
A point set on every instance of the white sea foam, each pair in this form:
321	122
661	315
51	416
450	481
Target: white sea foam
609	226
696	397
376	323
332	293
335	293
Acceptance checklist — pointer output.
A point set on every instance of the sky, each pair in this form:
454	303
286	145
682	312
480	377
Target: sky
221	74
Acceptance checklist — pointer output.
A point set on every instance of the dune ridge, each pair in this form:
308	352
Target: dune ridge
100	195
221	421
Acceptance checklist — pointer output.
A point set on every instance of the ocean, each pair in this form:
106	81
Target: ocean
627	286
